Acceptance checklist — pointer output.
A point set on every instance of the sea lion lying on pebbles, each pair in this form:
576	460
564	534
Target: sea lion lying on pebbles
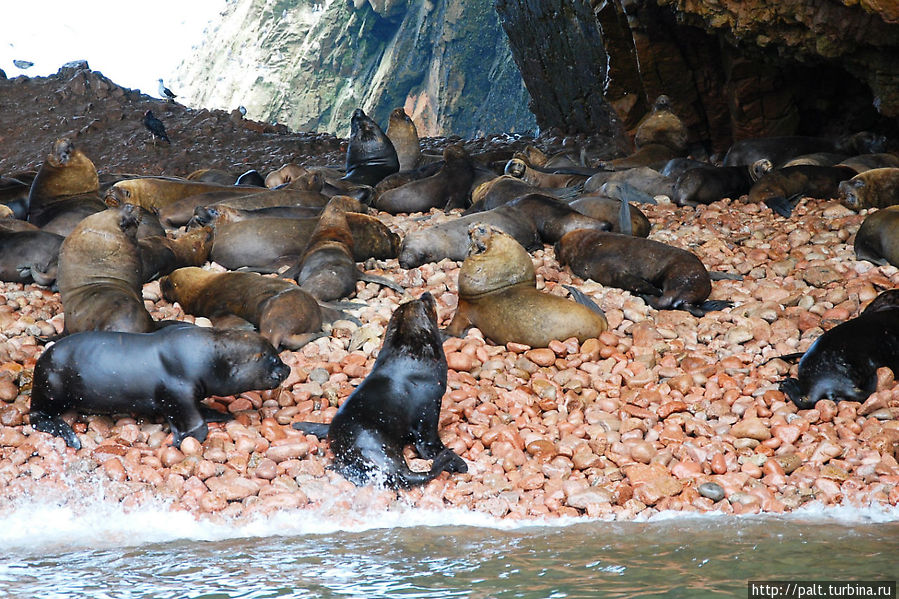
498	294
782	188
779	150
160	255
397	404
842	363
165	373
449	188
877	240
707	184
29	256
876	188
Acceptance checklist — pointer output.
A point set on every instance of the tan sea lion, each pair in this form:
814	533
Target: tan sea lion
876	188
404	137
662	126
212	175
282	312
498	294
285	174
153	193
100	275
66	182
867	162
521	170
877	240
160	254
327	270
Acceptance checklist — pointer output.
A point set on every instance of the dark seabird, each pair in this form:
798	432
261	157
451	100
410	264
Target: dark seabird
166	93
155	127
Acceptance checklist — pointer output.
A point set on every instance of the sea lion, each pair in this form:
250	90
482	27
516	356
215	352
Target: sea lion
165	373
608	209
521	170
876	188
397	404
285	174
276	197
867	162
817	159
266	242
221	214
642	178
67	180
678	166
842	363
153	193
251	178
29	256
401	178
404	137
100	275
179	212
782	188
654	156
449	188
707	184
779	150
877	240
666	277
14	193
498	294
212	175
662	126
160	255
502	190
282	312
370	156
553	218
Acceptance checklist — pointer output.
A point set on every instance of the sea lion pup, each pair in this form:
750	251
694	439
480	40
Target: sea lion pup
100	276
160	255
154	193
707	184
876	188
282	312
212	175
66	181
498	294
449	188
285	174
271	243
779	150
782	188
29	256
404	137
519	169
666	277
608	209
877	240
842	363
370	156
502	190
397	404
662	126
867	162
165	373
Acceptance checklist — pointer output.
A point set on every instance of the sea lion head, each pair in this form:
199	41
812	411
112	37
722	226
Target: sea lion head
760	168
243	360
663	102
413	331
62	151
182	285
361	127
129	219
285	174
495	261
852	193
455	153
516	168
309	181
399	116
117	195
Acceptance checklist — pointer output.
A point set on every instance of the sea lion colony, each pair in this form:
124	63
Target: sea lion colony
664	410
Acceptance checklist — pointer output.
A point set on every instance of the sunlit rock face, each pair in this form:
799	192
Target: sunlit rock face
732	68
309	64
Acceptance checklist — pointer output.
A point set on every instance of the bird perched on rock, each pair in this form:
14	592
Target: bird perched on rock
166	93
155	127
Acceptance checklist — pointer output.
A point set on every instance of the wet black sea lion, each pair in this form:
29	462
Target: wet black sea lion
666	277
370	156
397	404
165	373
842	363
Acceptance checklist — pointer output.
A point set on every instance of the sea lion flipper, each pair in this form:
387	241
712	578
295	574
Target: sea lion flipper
383	281
213	415
583	299
625	225
783	206
717	275
714	305
56	426
459	324
791	387
318	429
404	477
295	342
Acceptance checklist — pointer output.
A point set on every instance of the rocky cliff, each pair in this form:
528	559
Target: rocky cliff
308	64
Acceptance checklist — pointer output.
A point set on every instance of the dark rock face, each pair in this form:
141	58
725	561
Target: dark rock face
733	69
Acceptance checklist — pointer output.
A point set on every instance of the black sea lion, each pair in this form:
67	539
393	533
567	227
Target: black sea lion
666	277
251	178
100	274
876	188
370	156
498	294
842	363
14	193
707	184
397	404
165	373
449	188
877	240
29	256
404	137
282	312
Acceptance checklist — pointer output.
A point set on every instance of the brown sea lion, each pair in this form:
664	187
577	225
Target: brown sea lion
817	159
662	126
521	170
221	214
285	174
165	373
782	188
397	404
29	256
282	312
100	275
153	193
498	295
867	162
66	181
654	156
553	219
779	150
160	255
707	184
327	270
666	277
404	137
608	209
641	178
370	156
877	240
276	197
178	213
876	188
212	175
449	188
401	178
502	190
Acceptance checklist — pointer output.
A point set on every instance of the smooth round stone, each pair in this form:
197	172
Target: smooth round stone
713	491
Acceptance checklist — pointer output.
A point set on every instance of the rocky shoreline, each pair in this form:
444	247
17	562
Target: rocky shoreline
665	411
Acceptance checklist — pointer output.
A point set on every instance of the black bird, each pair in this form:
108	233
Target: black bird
155	127
165	93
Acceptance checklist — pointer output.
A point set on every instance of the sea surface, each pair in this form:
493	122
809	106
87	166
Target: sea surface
93	548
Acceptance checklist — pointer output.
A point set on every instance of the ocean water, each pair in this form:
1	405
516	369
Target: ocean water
97	549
